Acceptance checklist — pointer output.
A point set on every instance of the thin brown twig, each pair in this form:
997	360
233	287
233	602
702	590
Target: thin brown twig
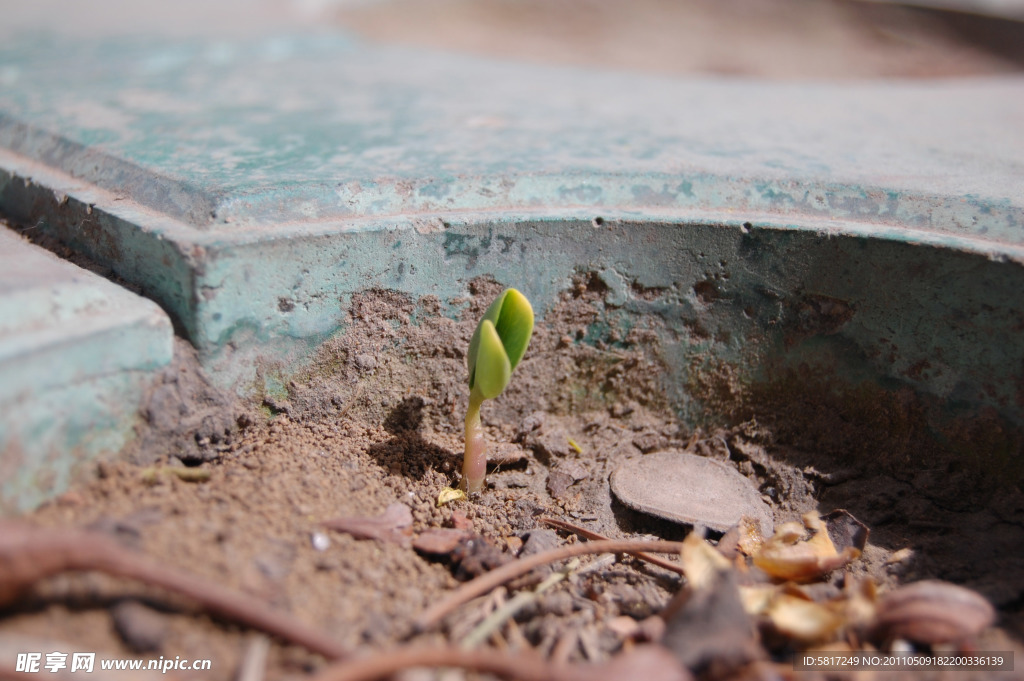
588	534
30	554
567	642
651	663
522	666
253	666
481	585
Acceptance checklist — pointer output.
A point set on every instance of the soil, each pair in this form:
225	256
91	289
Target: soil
779	39
376	419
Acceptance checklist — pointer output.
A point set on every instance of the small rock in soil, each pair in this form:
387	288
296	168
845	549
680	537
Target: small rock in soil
689	489
565	475
366	362
539	541
439	541
392	525
142	629
460	521
534	421
649	441
475	556
714	447
320	541
549	444
621	410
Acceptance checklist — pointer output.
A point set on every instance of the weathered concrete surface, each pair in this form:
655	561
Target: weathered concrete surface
273	134
252	186
76	352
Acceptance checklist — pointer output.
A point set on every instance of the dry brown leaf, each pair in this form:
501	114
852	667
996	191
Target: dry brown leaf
751	540
708	627
701	562
788	555
758	598
845	530
803	619
706	623
859	605
797	615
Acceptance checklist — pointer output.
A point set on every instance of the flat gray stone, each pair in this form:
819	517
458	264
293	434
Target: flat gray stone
690	489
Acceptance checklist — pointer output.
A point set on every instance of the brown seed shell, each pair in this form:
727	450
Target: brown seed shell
931	612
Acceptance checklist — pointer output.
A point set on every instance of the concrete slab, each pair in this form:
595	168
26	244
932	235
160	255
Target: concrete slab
252	186
263	136
76	352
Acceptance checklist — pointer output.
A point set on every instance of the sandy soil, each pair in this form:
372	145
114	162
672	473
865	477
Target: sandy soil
778	39
376	420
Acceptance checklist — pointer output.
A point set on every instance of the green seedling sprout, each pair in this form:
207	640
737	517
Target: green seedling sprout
499	342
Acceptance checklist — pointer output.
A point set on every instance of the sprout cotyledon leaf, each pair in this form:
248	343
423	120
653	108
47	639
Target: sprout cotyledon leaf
498	344
511	317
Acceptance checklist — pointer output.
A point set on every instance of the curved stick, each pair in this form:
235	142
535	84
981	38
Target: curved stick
29	554
587	534
481	585
649	662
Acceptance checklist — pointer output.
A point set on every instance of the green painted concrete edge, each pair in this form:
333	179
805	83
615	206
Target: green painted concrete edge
232	136
76	355
246	299
298	207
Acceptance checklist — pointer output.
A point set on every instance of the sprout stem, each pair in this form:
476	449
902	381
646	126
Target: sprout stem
474	461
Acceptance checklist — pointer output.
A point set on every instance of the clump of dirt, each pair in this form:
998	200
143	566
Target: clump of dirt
184	415
376	419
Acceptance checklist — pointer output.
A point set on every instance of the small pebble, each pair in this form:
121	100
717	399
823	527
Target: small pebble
564	475
320	541
366	362
142	629
539	541
439	541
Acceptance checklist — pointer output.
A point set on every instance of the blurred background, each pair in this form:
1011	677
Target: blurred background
774	39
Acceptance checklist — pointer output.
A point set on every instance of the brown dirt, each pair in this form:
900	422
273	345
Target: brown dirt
775	39
376	419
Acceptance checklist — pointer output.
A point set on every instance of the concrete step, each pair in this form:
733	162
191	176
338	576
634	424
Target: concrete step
872	229
251	186
76	354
